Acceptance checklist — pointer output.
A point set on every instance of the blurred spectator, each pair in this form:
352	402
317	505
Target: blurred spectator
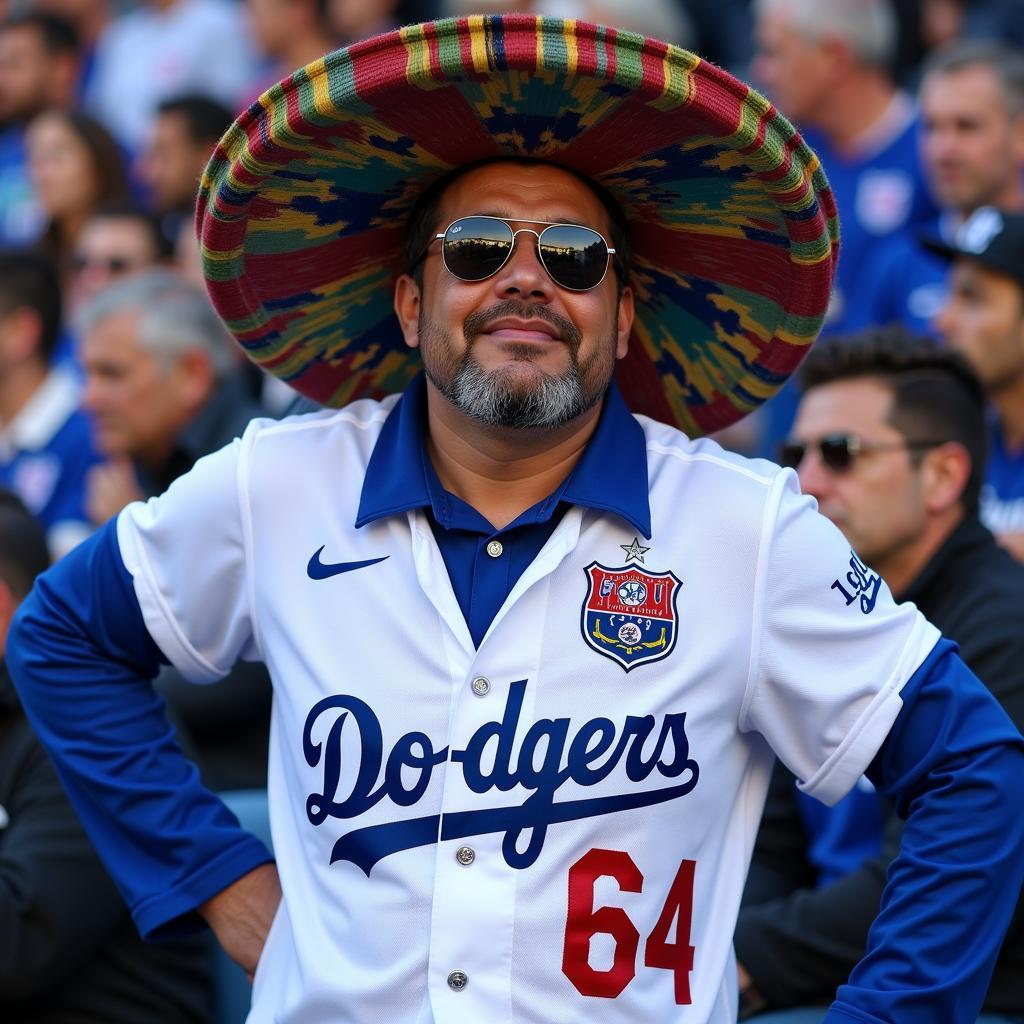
119	239
890	438
161	382
166	48
292	33
972	122
68	948
46	448
185	132
90	18
38	70
826	63
76	167
984	319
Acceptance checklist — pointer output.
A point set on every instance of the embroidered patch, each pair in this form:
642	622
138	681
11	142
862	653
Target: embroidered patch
629	614
860	583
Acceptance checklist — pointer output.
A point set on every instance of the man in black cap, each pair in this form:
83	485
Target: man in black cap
984	319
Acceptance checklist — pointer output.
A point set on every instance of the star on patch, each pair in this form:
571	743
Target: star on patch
634	551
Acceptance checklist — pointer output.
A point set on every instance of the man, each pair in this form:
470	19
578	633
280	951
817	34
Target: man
68	949
972	145
826	64
890	439
984	319
39	63
46	442
117	240
529	651
184	133
159	384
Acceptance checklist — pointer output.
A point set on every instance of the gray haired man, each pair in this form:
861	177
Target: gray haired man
161	385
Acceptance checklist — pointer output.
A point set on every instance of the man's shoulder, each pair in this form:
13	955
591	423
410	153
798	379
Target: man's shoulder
360	421
671	451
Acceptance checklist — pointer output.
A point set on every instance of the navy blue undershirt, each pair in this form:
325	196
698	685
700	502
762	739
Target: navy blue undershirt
611	475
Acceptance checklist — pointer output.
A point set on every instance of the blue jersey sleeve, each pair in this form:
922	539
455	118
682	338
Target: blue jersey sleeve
82	661
953	764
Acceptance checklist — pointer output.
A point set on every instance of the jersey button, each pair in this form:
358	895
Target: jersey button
495	548
457	981
465	855
481	686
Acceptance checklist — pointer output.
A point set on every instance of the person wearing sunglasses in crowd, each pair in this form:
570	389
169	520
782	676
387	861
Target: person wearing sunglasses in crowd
890	438
531	649
119	239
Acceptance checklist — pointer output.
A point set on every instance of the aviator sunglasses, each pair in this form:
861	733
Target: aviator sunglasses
838	451
474	248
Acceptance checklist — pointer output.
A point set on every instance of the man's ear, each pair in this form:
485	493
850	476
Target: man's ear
945	472
407	309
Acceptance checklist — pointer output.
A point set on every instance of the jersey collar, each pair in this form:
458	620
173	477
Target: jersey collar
611	475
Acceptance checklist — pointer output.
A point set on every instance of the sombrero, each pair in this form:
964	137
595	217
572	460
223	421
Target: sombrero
303	206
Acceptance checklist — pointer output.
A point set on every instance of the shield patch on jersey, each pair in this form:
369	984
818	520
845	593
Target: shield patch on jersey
629	614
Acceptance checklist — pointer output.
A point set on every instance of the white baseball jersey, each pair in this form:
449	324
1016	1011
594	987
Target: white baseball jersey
555	826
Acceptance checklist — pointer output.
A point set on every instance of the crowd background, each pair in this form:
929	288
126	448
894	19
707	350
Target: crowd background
116	375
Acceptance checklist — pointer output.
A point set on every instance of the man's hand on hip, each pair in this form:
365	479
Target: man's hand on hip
241	914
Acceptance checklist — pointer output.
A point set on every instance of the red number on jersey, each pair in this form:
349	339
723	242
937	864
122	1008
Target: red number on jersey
675	956
584	922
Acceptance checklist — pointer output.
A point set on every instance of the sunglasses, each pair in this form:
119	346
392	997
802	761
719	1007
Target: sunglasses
838	451
574	257
112	264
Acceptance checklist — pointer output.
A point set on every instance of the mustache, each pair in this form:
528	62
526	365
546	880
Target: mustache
477	323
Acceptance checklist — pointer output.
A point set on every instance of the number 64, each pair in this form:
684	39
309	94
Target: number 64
583	922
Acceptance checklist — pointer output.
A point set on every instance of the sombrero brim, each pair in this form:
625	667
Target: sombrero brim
302	208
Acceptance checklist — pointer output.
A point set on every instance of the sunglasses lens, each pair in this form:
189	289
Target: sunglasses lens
836	452
791	454
574	256
476	247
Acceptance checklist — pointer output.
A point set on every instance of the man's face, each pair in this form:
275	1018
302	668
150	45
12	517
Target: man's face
795	72
136	401
973	149
107	249
517	350
984	320
879	501
25	67
172	164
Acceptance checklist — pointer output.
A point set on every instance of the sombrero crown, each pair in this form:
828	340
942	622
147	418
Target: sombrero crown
303	208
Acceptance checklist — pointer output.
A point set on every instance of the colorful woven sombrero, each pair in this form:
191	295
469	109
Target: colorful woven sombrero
302	208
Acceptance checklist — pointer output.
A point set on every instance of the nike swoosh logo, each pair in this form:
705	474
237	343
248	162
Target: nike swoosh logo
318	570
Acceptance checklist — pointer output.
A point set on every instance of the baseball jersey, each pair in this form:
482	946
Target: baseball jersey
1002	495
552	824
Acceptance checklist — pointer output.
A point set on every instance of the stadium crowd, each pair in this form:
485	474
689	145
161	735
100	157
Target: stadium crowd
116	375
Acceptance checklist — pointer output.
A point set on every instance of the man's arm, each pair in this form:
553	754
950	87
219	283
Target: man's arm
953	764
83	662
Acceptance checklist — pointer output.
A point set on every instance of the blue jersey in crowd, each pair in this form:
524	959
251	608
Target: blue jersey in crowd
46	452
1002	497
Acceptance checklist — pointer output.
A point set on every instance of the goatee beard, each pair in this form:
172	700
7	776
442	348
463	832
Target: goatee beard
501	398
